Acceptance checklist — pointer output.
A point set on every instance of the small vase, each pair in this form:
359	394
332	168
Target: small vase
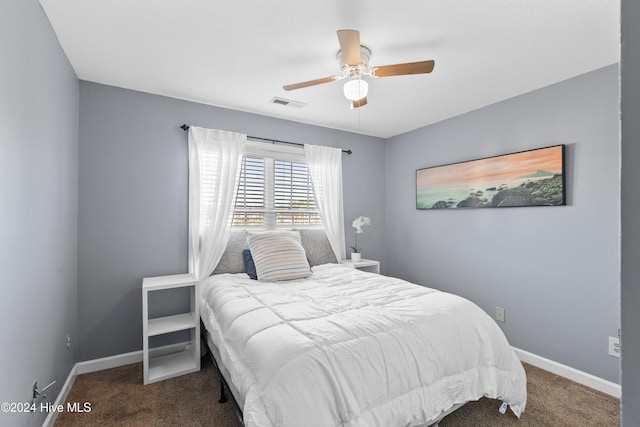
356	256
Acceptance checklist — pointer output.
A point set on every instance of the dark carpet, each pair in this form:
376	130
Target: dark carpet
118	397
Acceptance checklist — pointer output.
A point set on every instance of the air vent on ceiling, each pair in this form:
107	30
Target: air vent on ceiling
287	102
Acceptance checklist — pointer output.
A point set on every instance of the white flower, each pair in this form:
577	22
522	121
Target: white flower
358	223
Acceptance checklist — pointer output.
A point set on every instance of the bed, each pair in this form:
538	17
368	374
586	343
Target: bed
343	347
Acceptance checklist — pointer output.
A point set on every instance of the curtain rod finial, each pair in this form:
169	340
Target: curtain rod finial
184	127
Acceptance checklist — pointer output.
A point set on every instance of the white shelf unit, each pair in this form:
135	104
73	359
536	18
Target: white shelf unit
162	366
364	264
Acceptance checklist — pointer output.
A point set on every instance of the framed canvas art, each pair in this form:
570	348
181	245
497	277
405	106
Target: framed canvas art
527	178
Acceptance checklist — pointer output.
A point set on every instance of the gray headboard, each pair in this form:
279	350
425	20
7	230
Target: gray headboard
314	242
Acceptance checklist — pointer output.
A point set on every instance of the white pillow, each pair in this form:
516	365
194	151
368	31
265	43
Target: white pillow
278	255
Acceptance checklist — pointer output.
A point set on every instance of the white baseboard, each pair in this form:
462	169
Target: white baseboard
62	396
570	373
102	364
109	362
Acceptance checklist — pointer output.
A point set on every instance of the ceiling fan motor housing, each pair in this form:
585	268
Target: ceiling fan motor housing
355	71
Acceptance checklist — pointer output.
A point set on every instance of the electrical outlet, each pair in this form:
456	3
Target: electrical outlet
68	342
614	346
500	314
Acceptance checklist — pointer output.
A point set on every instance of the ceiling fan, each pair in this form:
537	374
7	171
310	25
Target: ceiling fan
354	62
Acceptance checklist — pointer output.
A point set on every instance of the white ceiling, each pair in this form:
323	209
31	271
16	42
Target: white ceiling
239	54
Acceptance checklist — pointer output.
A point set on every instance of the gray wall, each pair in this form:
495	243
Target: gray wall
554	269
630	213
38	207
133	178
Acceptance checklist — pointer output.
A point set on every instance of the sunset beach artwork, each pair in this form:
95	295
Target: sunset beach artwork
528	178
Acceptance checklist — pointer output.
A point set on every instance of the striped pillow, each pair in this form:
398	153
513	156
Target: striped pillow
278	255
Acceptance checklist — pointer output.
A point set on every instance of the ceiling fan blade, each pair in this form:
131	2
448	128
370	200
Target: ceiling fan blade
350	45
359	103
422	67
311	83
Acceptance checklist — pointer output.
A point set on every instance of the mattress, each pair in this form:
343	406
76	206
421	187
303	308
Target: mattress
351	348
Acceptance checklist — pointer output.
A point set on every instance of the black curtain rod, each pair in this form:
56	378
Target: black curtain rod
273	141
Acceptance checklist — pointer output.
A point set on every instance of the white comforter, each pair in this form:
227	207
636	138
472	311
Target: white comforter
349	348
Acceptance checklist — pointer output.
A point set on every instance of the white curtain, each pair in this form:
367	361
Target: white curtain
215	158
325	166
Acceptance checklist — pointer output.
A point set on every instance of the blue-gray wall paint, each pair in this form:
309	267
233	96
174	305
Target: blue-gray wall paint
630	293
554	269
38	207
133	178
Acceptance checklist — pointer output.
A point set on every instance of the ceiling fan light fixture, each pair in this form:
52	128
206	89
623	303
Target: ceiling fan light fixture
356	89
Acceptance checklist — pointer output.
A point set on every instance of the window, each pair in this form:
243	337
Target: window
274	192
250	205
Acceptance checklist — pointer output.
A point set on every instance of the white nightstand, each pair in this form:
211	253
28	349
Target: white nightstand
161	367
364	264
